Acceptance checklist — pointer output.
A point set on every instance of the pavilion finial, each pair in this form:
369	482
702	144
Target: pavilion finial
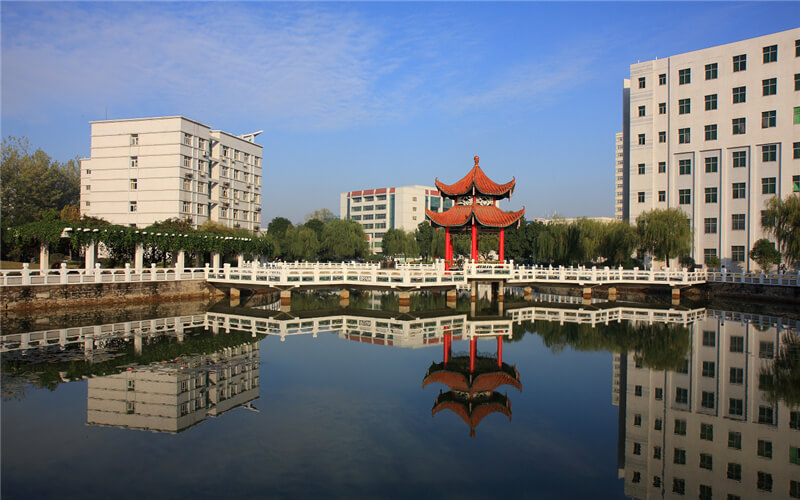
477	159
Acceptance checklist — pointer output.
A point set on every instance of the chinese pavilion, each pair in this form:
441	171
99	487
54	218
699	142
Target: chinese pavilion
475	199
473	382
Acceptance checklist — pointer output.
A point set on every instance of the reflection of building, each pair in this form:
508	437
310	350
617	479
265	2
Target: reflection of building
150	169
709	429
171	397
378	210
473	381
714	132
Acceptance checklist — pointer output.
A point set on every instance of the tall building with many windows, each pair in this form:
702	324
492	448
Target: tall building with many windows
378	210
145	170
716	132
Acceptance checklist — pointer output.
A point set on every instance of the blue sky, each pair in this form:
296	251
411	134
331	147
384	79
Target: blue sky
361	95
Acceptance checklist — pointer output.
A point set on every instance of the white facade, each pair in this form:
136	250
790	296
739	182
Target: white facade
716	132
378	210
709	429
149	169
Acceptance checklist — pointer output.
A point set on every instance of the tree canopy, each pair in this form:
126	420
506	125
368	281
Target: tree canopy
765	253
665	233
781	219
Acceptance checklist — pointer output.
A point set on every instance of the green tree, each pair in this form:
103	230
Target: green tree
618	243
31	183
399	242
173	224
782	220
765	253
278	226
343	239
322	214
300	243
424	236
315	225
713	262
665	233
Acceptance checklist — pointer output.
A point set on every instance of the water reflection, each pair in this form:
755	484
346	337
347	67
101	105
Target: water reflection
701	411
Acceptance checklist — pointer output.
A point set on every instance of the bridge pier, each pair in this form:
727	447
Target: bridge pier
235	295
587	295
612	293
286	300
528	293
676	296
404	300
452	297
344	297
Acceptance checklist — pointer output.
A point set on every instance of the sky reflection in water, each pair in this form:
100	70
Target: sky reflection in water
338	418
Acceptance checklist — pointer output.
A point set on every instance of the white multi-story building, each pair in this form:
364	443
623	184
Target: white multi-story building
146	170
378	210
716	132
709	429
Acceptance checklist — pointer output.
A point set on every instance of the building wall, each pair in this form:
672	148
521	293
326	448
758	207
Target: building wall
653	405
145	170
381	209
656	95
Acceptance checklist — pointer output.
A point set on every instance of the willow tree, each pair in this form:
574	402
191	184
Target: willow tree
781	219
665	233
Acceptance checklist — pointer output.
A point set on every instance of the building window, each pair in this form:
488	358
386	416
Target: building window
709	369
707	399
684	136
768	119
134	184
134	161
679	456
223	212
640	196
797	81
134	139
657	424
641	139
708	253
662	79
637	449
641	82
706	493
769	86
681	395
737	253
797	48
201	209
685	167
764	448
684	196
797	115
662	167
735	471
739	63
657	452
739	95
768	185
765	415
662	136
659	393
88	187
637	420
662	108
737	343
794	455
707	432
132	206
770	54
711	132
641	110
641	168
795	151
680	427
735	440
711	71
736	407
769	152
637	476
187	162
662	196
684	76
711	102
764	482
737	222
187	139
709	338
678	486
684	106
794	488
739	126
736	375
187	184
796	183
706	461
739	159
712	164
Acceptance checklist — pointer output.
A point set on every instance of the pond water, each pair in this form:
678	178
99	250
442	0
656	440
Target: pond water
355	399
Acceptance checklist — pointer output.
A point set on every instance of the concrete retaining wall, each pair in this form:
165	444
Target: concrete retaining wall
28	298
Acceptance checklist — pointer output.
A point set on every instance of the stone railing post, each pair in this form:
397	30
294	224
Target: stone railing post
240	260
153	272
98	273
90	251
44	258
180	261
26	274
138	258
215	259
63	272
127	272
227	271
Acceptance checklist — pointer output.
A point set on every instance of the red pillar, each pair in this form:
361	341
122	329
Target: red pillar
499	351
502	251
473	346
474	255
448	339
448	249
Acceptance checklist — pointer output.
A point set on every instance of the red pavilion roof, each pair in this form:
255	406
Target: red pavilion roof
477	179
485	382
488	216
472	411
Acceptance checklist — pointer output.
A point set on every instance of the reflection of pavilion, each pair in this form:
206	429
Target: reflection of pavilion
171	397
473	381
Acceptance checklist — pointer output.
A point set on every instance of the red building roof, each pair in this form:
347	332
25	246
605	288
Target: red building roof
488	216
482	184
